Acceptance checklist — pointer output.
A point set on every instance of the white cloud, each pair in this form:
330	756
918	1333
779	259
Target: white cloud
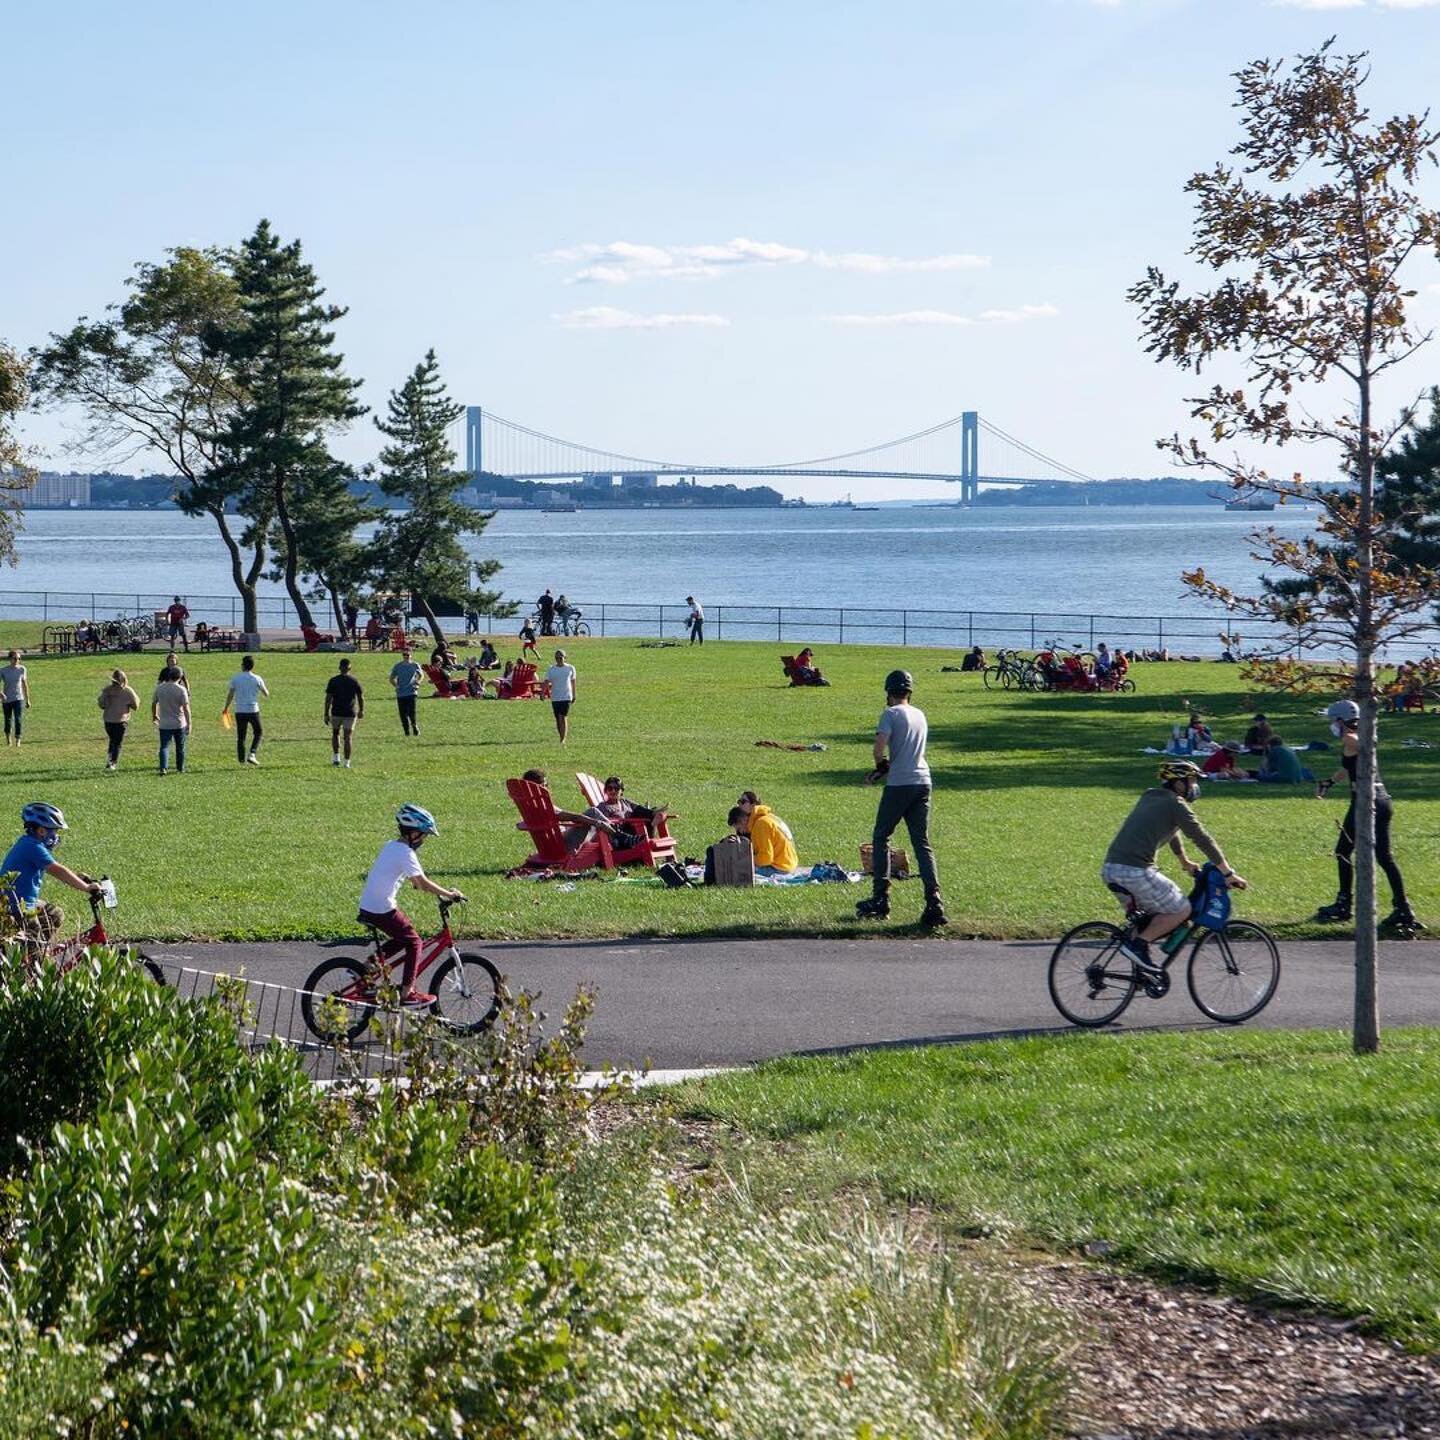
622	261
946	317
1319	4
1407	4
606	317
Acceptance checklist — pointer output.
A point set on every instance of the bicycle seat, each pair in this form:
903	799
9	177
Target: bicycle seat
1120	890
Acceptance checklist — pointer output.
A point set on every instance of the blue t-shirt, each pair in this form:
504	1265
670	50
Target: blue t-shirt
407	676
29	858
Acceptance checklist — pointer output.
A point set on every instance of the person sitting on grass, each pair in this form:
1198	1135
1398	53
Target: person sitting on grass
474	680
1222	764
974	659
635	821
30	860
1257	737
489	660
444	658
1281	765
397	862
771	841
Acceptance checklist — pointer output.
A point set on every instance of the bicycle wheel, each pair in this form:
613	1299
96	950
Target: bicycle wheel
1126	686
336	1003
467	992
1091	980
1233	972
581	628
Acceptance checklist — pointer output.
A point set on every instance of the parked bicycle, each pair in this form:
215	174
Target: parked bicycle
1232	972
65	954
342	994
1011	670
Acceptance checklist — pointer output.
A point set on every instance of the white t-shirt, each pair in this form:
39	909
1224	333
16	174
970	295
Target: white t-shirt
395	864
697	610
248	688
562	682
905	728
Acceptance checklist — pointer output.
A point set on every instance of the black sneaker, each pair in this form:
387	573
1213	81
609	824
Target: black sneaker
1401	919
1138	950
874	908
1337	913
934	916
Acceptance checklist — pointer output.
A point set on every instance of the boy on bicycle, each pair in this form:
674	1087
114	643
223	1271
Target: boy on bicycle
1161	815
396	863
30	860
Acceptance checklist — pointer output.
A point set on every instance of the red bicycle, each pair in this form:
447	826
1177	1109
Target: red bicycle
342	993
64	954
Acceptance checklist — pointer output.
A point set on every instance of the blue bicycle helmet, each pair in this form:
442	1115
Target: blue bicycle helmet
415	817
39	813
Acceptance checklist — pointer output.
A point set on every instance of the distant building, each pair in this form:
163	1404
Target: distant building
58	492
641	482
598	482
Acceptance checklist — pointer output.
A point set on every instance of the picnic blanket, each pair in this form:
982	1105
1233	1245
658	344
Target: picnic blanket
777	745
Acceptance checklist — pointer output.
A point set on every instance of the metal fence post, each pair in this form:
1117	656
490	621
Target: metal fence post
1092	632
842	624
1032	632
904	627
1160	621
970	627
602	622
779	623
662	622
45	604
92	605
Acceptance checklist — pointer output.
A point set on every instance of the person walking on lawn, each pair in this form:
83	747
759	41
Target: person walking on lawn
117	703
900	757
177	615
561	676
405	676
344	709
16	683
244	693
170	710
696	622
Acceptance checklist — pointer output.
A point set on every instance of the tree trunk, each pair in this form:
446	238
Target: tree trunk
244	583
1365	1036
423	605
292	558
340	629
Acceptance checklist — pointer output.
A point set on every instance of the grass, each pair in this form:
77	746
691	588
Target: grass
1029	790
1274	1165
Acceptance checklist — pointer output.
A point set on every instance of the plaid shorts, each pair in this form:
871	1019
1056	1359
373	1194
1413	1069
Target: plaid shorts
1154	893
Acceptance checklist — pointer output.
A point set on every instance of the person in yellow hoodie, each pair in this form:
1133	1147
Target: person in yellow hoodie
770	839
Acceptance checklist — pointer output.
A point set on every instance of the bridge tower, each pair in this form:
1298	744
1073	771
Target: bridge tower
473	454
969	456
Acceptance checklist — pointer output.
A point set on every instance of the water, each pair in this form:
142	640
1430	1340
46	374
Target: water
1111	560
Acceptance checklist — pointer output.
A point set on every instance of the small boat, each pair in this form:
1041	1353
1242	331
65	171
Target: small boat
558	509
1246	504
865	509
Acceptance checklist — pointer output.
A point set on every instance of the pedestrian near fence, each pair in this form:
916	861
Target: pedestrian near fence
244	694
117	703
900	739
405	676
177	615
15	686
696	621
563	690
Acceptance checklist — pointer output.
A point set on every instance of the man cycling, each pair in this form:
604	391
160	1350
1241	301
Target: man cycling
396	863
30	860
1161	815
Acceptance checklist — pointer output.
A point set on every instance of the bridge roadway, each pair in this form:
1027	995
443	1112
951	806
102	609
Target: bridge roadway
694	1003
763	474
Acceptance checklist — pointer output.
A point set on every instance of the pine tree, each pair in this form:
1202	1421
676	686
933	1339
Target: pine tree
1408	478
420	549
293	394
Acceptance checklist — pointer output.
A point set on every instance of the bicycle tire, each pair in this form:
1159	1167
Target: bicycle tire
467	991
581	628
332	978
1241	964
1075	982
1126	686
987	673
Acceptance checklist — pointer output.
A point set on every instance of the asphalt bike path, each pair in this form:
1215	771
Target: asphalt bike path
697	1003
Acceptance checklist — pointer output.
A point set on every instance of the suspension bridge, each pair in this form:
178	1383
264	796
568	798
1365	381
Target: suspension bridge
948	451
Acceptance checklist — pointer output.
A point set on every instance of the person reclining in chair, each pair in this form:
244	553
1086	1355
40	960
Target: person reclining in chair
633	822
806	671
576	830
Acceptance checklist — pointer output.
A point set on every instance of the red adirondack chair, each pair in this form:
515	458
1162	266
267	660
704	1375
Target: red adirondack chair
314	639
445	687
537	816
658	847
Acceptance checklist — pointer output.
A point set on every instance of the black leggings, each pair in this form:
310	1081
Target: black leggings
14	709
1345	850
115	729
407	714
248	720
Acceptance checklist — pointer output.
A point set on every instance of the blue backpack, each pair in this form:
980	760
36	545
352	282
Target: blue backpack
1212	905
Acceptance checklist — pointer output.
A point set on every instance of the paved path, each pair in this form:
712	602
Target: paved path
690	1003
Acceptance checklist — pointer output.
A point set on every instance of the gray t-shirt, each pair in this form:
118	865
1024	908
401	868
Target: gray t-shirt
170	700
12	677
407	676
905	728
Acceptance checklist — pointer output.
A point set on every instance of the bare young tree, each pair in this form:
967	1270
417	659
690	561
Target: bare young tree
1310	231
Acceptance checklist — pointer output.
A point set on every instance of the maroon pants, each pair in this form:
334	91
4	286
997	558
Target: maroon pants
403	936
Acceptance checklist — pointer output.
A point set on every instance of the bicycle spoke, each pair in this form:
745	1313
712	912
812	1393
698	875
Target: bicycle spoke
1091	981
1234	972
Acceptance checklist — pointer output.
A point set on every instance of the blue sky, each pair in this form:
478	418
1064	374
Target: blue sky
730	233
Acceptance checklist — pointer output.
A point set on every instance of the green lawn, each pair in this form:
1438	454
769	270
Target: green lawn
1276	1165
1029	790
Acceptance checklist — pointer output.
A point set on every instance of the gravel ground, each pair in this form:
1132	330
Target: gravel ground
1167	1363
